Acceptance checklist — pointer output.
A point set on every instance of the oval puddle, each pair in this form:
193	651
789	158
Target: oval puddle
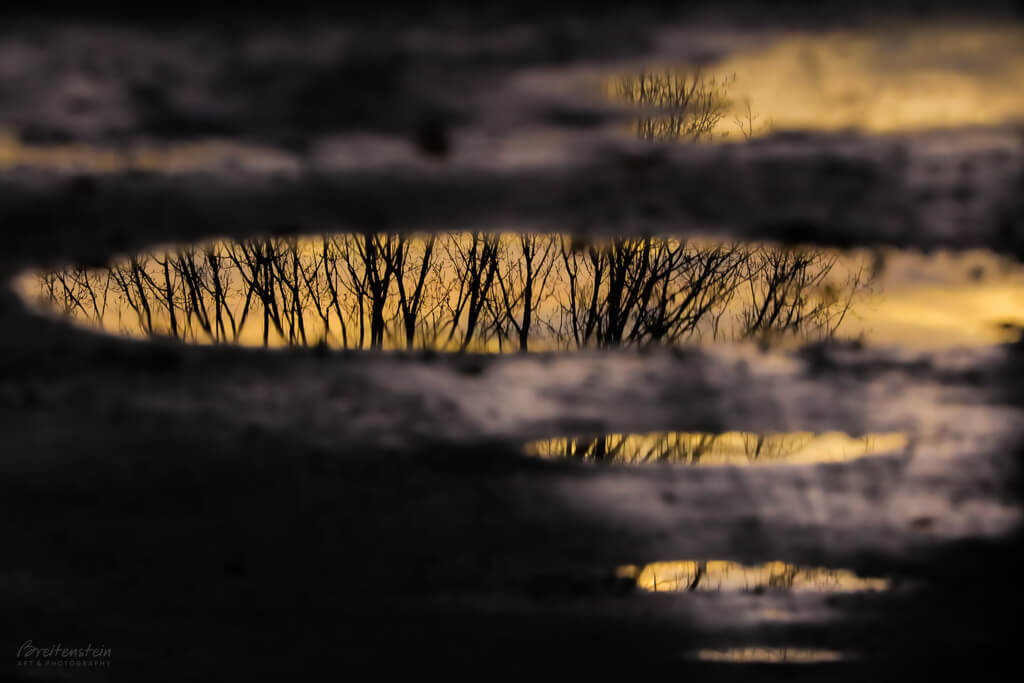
516	292
729	448
877	81
720	575
771	655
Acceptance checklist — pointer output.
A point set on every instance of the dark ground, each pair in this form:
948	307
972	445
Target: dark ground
220	514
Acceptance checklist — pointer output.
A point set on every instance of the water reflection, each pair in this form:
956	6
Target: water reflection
729	448
718	575
900	78
771	655
527	292
462	292
890	77
691	106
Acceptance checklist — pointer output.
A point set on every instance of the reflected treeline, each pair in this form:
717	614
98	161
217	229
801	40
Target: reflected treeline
688	105
728	448
718	575
462	292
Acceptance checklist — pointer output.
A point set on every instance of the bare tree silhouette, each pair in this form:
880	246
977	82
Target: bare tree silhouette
463	291
639	291
790	292
476	264
133	280
748	123
522	283
458	291
687	104
713	575
254	262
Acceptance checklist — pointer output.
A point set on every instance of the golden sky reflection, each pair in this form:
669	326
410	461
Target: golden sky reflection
513	292
889	79
897	77
729	448
188	157
461	292
893	78
719	575
771	655
771	578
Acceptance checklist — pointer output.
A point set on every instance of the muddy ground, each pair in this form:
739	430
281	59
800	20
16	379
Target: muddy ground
214	513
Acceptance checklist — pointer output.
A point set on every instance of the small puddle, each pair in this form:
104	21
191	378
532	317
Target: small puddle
891	79
771	578
516	292
729	448
720	575
886	78
768	579
771	655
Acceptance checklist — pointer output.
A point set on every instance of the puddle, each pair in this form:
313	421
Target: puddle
720	575
878	79
769	579
518	292
891	79
180	158
524	292
771	655
729	448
